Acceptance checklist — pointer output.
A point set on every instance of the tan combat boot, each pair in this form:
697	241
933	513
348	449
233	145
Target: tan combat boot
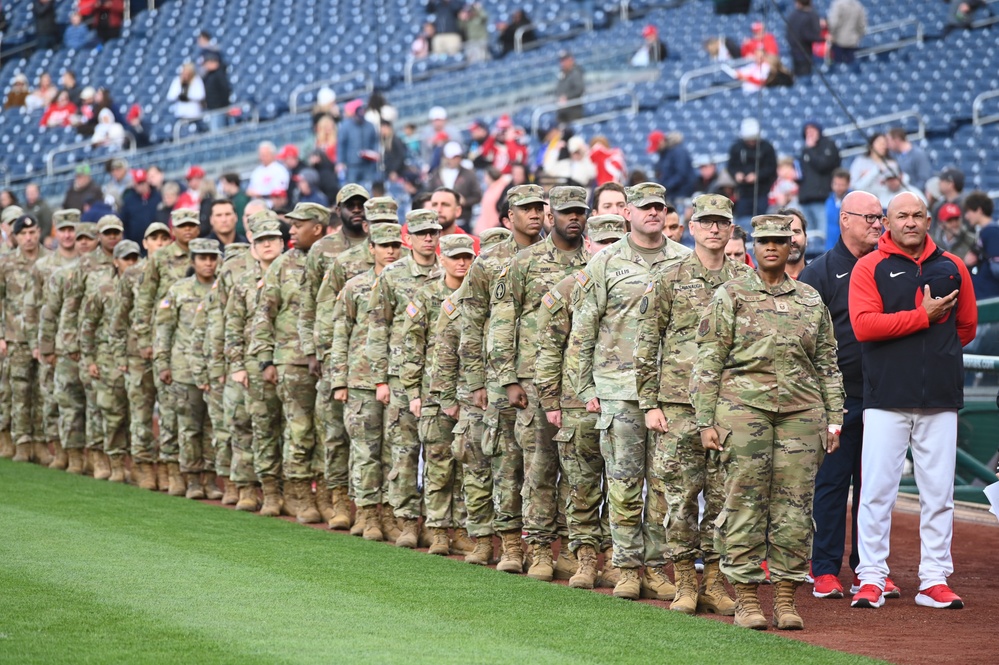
748	613
358	527
713	596
656	584
6	445
272	497
75	463
23	452
147	476
290	505
102	465
424	538
230	493
194	488
117	464
482	554
609	575
247	501
372	524
629	586
60	460
209	481
440	544
686	587
162	472
566	564
323	502
341	509
462	543
542	567
176	485
390	525
41	453
307	511
786	615
410	534
586	573
512	557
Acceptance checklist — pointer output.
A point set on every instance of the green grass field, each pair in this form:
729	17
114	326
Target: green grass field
101	573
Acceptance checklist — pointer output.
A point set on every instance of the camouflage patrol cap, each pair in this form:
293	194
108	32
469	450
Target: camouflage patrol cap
385	233
310	212
155	227
66	217
523	195
204	246
235	250
566	197
182	216
772	226
87	230
351	190
265	215
110	223
421	220
126	248
457	244
604	227
492	236
712	205
646	193
10	213
381	209
268	228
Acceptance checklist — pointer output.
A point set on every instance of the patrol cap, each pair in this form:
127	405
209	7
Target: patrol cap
310	212
87	230
126	248
492	236
605	227
457	244
182	216
10	213
267	228
646	193
567	197
65	218
712	205
422	219
110	223
351	190
155	227
265	215
385	233
24	222
523	195
204	246
381	209
235	250
772	226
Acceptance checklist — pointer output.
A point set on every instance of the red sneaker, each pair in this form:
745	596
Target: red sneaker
939	596
868	596
827	586
890	591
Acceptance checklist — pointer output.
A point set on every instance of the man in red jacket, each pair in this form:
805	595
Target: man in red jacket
912	307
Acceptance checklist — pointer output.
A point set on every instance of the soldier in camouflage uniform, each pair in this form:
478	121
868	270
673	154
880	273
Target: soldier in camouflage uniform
163	268
441	476
138	371
332	498
577	438
387	314
173	348
7	217
478	298
664	355
278	349
351	378
65	222
613	286
16	343
765	385
257	417
513	328
96	354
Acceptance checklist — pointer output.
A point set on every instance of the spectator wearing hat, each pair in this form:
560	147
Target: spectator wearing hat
77	36
358	148
431	135
570	163
978	210
325	106
752	163
571	86
674	168
17	94
819	159
270	175
82	190
452	175
290	157
502	149
36	206
119	181
218	91
187	93
912	159
135	127
652	51
139	205
951	234
951	183
760	39
191	197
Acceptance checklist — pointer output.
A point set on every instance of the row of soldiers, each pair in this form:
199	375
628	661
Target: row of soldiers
491	396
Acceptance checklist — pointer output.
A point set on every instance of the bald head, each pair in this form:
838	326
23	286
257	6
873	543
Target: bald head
854	199
908	223
905	200
860	219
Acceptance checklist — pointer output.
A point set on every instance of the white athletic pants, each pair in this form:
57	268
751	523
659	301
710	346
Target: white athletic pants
932	433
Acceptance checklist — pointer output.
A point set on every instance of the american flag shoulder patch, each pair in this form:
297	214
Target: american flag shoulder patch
165	303
411	310
582	278
505	270
448	306
548	300
260	283
650	287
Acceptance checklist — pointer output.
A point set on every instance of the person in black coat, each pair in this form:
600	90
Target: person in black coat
753	181
819	158
217	88
803	30
46	28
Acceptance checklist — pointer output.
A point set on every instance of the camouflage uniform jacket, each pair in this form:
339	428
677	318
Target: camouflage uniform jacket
210	365
668	323
172	343
319	260
555	358
348	364
49	341
275	323
387	308
448	386
166	266
418	343
520	287
74	285
603	325
95	319
767	348
124	338
239	311
16	285
41	272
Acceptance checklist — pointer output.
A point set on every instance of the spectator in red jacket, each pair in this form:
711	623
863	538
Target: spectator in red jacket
106	16
60	113
760	39
609	161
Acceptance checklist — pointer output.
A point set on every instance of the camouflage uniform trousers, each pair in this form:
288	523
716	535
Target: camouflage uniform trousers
167	410
25	404
237	422
583	469
72	403
194	428
770	463
332	434
50	404
369	459
544	510
476	471
636	525
94	418
112	400
500	444
686	470
141	403
443	501
403	438
297	390
221	442
267	421
5	401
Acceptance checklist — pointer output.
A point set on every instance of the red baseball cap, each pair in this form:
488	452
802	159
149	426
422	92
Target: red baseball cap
655	136
288	150
139	176
279	194
134	112
757	26
504	122
195	172
649	31
949	211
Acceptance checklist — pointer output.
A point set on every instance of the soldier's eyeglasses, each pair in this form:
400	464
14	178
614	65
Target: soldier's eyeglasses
870	219
706	224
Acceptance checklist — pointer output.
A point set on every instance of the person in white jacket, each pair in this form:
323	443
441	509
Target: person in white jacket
187	92
576	167
108	132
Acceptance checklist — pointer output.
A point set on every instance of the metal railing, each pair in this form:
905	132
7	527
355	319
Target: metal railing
298	91
709	70
977	118
180	123
627	91
518	36
895	45
50	168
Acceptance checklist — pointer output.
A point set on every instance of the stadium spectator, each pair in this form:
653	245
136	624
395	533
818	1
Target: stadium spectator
394	153
117	183
136	127
94	208
760	39
785	189
323	156
155	176
60	113
379	109
951	235
46	27
17	94
107	17
673	228
169	193
502	148
705	175
839	186
307	188
571	86
674	168
779	76
289	156
951	183
754	74
819	160
978	209
847	21
85	119
217	88
420	48
803	31
447	31
799	241
38	208
325	106
358	147
452	175
652	51
752	163
232	189
187	92
77	36
474	23
68	83
431	137
735	248
912	159
191	197
448	204
269	176
608	161
570	163
108	133
508	32
222	222
43	94
869	172
962	14
721	49
140	206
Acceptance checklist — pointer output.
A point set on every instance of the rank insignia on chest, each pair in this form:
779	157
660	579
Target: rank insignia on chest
448	306
411	310
781	306
548	300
